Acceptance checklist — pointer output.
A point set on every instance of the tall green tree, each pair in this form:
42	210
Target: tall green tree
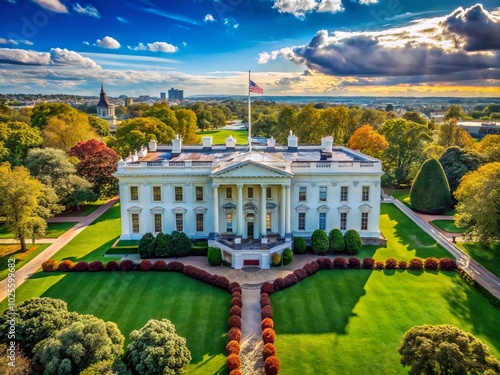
335	121
286	122
186	125
99	126
450	134
454	112
44	111
416	117
17	138
489	148
66	130
307	125
162	111
456	162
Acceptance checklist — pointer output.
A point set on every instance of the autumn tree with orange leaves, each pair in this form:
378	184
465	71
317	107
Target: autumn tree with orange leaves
368	141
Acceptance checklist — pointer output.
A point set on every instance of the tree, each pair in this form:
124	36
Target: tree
454	112
407	140
97	163
450	134
445	349
44	111
416	117
108	367
162	111
181	245
86	341
18	137
22	362
36	320
430	192
186	125
336	240
353	242
319	241
307	127
456	163
265	126
335	121
99	125
373	117
368	141
66	130
489	148
146	246
286	122
478	207
157	349
138	109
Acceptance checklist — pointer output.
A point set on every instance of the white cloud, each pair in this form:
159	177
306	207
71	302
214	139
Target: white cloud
368	2
184	44
139	47
15	42
299	8
209	18
53	5
88	10
65	57
108	42
56	56
231	23
122	20
86	43
155	47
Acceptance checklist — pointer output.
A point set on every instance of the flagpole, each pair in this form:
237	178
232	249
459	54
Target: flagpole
249	117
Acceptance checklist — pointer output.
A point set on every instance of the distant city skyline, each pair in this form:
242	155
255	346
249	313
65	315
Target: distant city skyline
292	47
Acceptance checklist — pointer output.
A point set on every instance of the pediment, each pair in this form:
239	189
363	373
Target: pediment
251	169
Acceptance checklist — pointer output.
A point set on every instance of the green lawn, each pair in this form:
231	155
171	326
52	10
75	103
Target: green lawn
344	322
405	239
488	258
448	226
14	251
54	230
403	195
199	311
85	209
219	136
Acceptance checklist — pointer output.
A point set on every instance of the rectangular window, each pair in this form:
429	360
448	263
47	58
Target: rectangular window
364	221
158	226
343	220
134	193
269	193
365	195
179	222
344	190
157	193
178	194
229	193
302	193
322	193
268	222
199	223
229	222
135	223
250	192
322	220
199	193
302	221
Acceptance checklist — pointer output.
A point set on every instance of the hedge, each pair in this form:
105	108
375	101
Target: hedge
319	242
66	266
214	256
50	265
276	259
299	245
352	241
96	266
287	256
267	323
336	241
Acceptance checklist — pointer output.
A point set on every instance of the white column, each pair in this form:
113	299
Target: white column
263	209
216	208
240	209
288	223
283	211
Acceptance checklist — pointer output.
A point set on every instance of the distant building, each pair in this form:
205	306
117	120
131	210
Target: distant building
163	96
479	129
105	109
144	98
174	94
129	101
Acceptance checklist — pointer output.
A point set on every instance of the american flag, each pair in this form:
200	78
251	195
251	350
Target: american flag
256	88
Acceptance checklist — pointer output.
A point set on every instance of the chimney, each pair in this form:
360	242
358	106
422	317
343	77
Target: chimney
326	148
153	145
271	143
230	143
207	142
176	145
292	142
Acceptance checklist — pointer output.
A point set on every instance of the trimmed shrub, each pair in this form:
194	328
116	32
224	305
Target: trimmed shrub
325	263
214	256
234	287
66	266
96	266
266	312
368	263
235	310
272	365
81	267
126	265
299	245
431	264
236	294
162	245
50	265
391	264
159	265
430	192
236	301
278	284
353	241
146	246
233	347
447	264
175	267
268	336
219	281
416	264
145	265
336	241
234	321
287	256
233	362
267	323
234	334
265	301
267	287
402	265
319	241
353	262
300	273
181	244
268	351
290	280
236	372
311	268
339	263
276	259
112	266
379	265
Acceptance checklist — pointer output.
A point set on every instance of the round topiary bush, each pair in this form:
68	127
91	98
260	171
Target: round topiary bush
391	264
368	263
236	294
430	192
265	300
339	263
268	351
287	256
325	263
402	265
266	312
278	284
214	256
267	323
234	287
299	245
236	301
267	287
336	241
235	310
96	266
416	264
145	265
276	259
234	321
112	266
352	241
272	365
268	336
319	242
81	267
236	372
126	265
447	264
353	262
290	280
300	273
147	245
233	347
159	265
379	265
66	266
234	334
431	264
50	265
233	362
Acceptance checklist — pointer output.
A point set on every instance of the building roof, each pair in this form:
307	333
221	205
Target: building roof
103	99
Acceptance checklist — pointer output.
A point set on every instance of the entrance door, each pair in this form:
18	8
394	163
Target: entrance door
250	229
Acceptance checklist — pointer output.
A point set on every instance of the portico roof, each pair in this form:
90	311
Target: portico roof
250	169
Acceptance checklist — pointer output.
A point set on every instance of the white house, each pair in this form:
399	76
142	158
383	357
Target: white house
249	203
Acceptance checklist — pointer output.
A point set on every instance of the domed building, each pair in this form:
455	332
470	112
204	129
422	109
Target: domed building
105	109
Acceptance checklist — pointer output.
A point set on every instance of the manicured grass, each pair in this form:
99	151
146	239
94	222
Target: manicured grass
54	230
85	209
127	243
448	226
405	239
344	322
219	136
488	258
14	251
403	195
198	311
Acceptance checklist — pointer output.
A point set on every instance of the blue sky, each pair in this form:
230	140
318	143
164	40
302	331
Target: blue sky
293	47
